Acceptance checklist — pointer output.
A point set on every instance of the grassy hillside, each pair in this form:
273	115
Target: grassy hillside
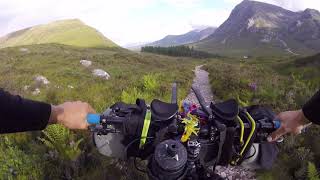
308	68
60	64
251	46
68	32
283	85
132	75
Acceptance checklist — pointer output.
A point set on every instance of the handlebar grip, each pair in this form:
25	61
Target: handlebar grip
277	124
93	118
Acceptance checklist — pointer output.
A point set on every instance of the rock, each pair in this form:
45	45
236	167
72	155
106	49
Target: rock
41	80
223	175
101	73
218	168
26	87
36	92
86	63
24	49
71	87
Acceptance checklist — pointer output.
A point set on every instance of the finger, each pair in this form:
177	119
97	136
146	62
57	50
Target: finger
90	109
298	130
278	117
277	134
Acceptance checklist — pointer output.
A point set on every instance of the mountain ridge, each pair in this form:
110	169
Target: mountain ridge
68	32
182	39
260	28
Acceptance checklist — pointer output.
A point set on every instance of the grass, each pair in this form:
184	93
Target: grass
133	75
60	64
68	32
148	76
282	84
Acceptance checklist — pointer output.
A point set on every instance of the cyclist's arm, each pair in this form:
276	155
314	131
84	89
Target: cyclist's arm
311	109
18	114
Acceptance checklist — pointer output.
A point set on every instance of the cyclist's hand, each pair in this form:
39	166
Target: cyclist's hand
291	122
72	115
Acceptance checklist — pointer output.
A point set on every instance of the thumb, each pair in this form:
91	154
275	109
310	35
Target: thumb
277	134
278	117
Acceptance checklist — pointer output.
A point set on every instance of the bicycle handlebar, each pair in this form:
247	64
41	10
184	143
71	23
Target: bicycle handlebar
93	119
188	131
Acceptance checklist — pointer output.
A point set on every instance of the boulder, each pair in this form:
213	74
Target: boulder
100	73
223	175
36	92
86	63
24	49
41	80
26	87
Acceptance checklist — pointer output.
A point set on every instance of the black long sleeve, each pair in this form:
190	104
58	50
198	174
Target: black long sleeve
311	109
19	115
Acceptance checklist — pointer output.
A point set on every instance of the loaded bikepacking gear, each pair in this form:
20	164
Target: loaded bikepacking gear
183	142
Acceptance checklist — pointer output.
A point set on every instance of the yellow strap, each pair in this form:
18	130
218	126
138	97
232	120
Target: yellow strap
242	130
145	128
253	125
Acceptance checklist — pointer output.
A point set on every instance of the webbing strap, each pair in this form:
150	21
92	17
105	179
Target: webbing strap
253	129
145	128
223	135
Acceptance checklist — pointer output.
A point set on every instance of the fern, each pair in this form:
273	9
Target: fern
131	96
312	172
150	83
61	139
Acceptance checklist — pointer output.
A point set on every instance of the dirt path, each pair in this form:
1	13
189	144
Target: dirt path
201	80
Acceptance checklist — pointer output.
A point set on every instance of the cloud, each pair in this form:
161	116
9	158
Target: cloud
211	17
183	3
108	16
128	21
293	5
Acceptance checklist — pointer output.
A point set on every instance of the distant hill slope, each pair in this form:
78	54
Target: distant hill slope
190	37
306	67
68	32
256	28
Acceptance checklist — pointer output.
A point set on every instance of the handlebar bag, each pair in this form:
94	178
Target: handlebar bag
267	151
133	114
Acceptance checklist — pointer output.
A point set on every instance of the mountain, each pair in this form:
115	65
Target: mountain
68	32
190	37
256	28
135	46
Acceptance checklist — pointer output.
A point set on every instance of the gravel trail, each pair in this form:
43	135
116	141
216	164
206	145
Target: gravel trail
201	80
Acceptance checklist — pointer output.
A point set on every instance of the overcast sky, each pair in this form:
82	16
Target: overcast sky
129	21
